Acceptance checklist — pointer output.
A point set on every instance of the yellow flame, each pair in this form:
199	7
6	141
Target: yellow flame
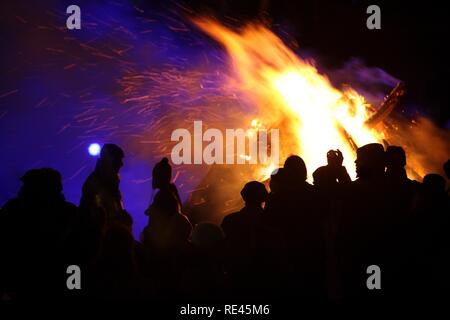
313	116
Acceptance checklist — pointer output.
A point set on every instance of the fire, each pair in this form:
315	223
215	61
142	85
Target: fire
313	116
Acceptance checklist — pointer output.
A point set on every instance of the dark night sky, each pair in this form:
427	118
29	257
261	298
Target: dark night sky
412	44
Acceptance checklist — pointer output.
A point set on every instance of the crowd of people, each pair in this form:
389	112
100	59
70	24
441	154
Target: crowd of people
314	241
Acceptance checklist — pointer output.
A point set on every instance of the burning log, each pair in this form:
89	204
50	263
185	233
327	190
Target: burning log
347	136
389	103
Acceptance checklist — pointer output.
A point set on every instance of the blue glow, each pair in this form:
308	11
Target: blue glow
94	149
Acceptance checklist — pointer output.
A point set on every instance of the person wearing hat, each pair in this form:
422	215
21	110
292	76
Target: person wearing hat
162	179
238	224
34	230
243	234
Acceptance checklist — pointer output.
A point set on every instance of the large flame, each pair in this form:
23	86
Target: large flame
313	116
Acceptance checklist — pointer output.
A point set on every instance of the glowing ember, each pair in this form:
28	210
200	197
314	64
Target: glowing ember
293	96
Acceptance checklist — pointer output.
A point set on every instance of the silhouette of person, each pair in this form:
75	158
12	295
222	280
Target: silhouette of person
34	229
331	182
370	163
291	189
431	225
293	210
276	181
395	169
332	175
161	179
295	170
101	198
400	193
240	227
395	163
447	173
165	239
167	227
100	206
447	168
432	196
364	223
116	273
245	242
204	274
400	189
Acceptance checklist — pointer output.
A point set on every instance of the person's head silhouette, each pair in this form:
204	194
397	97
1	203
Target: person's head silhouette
162	174
370	161
111	158
276	180
334	158
447	168
395	157
44	183
295	168
254	193
434	183
395	163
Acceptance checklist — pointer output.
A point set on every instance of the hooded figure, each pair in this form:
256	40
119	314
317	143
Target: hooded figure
101	198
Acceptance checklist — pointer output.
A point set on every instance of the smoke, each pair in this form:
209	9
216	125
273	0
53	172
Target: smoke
427	146
371	82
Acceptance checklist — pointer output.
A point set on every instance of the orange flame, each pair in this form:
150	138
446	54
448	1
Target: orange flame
313	116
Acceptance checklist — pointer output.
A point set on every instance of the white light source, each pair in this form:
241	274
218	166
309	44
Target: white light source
94	149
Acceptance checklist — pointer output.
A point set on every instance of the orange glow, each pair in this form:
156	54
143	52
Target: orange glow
313	116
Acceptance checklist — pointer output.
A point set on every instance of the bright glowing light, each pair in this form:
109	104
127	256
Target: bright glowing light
294	97
94	149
